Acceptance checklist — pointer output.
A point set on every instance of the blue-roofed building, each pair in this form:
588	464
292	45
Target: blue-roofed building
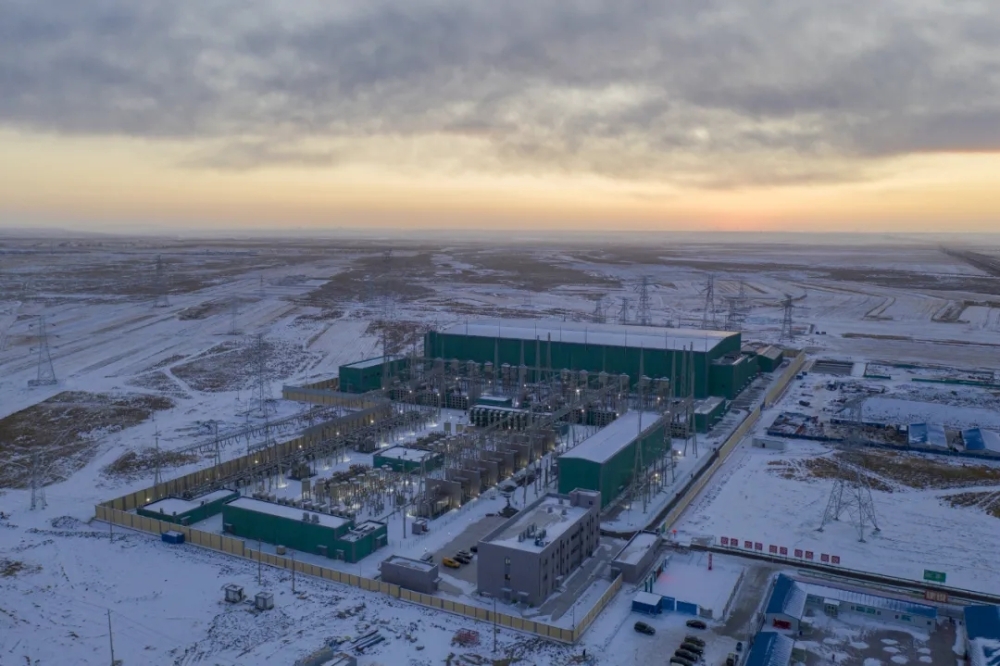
982	635
786	605
977	439
770	648
973	439
646	602
916	433
927	434
790	599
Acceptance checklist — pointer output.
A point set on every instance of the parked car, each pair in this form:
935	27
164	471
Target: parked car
691	647
696	624
427	557
465	553
475	549
731	659
450	563
684	654
690	638
681	661
464	559
739	646
644	628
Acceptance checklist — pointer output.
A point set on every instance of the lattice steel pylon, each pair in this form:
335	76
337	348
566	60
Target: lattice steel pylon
46	373
160	285
851	493
708	316
261	399
599	315
787	332
643	311
734	316
623	311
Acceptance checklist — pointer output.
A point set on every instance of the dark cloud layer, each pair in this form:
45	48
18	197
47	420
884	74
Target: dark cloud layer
710	92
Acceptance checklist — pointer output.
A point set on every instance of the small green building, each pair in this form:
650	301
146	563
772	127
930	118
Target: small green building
364	376
612	348
304	531
769	358
404	459
730	374
182	511
708	412
605	461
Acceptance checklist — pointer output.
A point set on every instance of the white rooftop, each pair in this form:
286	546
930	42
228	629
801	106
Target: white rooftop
553	523
609	440
647	337
419	565
283	511
708	404
637	548
647	598
176	505
403	453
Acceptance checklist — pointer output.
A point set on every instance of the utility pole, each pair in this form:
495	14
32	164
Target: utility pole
260	561
111	640
494	625
157	480
293	572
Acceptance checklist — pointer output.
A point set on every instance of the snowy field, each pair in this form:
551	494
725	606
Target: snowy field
751	500
132	376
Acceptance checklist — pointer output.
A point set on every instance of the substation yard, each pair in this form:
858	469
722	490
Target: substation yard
132	376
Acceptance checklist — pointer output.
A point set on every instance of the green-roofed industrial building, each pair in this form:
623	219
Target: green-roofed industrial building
611	348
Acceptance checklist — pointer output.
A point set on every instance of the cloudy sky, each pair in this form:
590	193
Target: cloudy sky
853	115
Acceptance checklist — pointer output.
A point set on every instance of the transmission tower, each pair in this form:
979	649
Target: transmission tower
37	481
46	373
599	315
160	285
234	311
386	285
734	315
623	311
708	316
643	315
157	479
787	333
261	399
851	495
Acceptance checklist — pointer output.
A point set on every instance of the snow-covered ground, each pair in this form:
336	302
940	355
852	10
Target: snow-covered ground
750	500
315	309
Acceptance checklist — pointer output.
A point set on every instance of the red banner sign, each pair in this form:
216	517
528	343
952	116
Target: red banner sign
748	544
725	541
835	559
783	550
758	546
773	550
824	558
809	554
798	552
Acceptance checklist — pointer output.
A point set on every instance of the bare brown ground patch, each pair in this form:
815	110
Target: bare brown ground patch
64	431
